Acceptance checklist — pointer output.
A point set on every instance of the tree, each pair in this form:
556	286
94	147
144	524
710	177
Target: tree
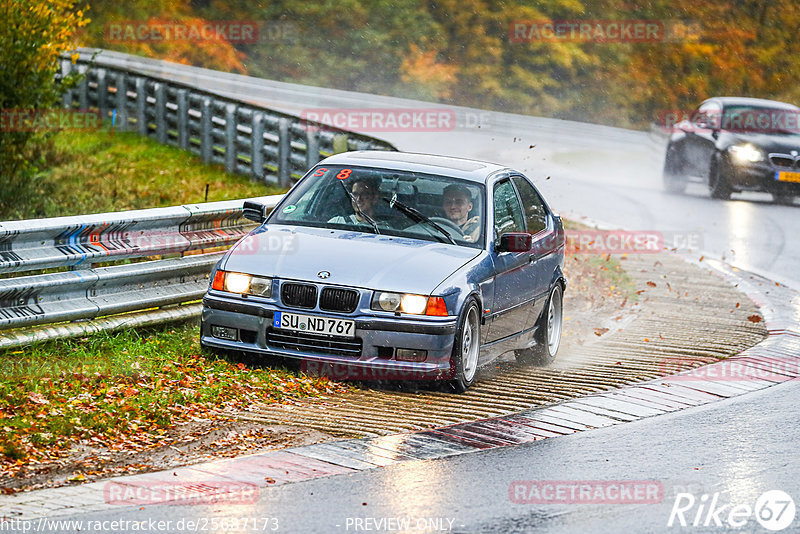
32	36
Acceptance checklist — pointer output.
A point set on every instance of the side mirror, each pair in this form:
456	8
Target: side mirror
254	211
515	242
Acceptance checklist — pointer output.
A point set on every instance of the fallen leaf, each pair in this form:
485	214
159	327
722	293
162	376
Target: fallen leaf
37	398
754	318
651	284
600	331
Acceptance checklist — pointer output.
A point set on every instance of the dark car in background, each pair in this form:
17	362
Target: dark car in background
379	283
736	144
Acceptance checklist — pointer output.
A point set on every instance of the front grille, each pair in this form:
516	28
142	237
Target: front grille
321	344
782	161
338	300
299	295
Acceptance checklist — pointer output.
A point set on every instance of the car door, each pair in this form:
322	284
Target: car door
543	260
512	291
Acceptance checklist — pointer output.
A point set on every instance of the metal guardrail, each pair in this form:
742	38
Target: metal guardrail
188	239
247	139
70	276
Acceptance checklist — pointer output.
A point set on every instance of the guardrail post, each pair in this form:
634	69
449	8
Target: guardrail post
141	103
257	145
205	130
230	138
312	147
284	149
122	100
161	113
339	143
83	88
183	119
66	68
102	93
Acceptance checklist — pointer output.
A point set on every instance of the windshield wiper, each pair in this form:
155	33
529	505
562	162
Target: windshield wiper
354	205
417	216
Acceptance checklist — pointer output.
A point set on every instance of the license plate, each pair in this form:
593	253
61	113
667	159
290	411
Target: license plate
315	325
786	176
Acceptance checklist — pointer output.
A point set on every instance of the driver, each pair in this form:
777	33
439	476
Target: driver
457	203
364	192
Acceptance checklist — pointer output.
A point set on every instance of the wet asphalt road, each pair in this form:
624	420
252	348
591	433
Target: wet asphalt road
736	448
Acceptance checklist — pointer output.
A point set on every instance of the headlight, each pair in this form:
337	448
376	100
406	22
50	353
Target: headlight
244	284
408	303
746	153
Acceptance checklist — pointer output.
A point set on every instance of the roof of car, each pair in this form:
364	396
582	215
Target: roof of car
746	101
467	169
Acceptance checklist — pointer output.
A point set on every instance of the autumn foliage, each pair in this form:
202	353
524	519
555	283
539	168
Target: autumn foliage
460	51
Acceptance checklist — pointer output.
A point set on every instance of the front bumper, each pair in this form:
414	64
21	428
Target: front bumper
378	337
761	176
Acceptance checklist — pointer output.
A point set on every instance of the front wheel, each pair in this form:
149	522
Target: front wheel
466	347
718	182
783	199
548	332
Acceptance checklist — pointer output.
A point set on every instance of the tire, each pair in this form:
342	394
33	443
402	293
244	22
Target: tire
673	177
783	199
548	333
718	184
466	347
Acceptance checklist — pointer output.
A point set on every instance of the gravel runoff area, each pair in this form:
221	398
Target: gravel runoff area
677	316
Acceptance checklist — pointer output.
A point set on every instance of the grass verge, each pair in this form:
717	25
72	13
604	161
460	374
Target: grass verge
125	391
100	171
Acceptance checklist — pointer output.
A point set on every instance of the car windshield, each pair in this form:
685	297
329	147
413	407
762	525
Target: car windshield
384	201
760	119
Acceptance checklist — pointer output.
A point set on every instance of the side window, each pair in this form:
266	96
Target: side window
508	216
535	214
708	115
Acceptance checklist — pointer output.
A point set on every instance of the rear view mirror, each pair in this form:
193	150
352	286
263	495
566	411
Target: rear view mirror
515	242
254	211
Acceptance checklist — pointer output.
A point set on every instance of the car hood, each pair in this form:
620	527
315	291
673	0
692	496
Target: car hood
781	143
352	258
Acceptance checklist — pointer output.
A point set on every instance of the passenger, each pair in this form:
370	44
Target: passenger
457	203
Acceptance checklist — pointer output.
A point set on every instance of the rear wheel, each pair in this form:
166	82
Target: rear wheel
783	199
466	347
548	333
718	183
674	178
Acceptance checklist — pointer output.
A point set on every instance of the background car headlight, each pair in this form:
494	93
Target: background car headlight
746	153
408	303
244	284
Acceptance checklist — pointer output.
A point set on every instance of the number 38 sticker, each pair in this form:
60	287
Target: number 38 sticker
342	175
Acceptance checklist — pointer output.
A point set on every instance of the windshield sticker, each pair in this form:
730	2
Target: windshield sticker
290	208
344	173
320	172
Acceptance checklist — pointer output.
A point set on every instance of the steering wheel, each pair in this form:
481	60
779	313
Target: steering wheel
449	225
